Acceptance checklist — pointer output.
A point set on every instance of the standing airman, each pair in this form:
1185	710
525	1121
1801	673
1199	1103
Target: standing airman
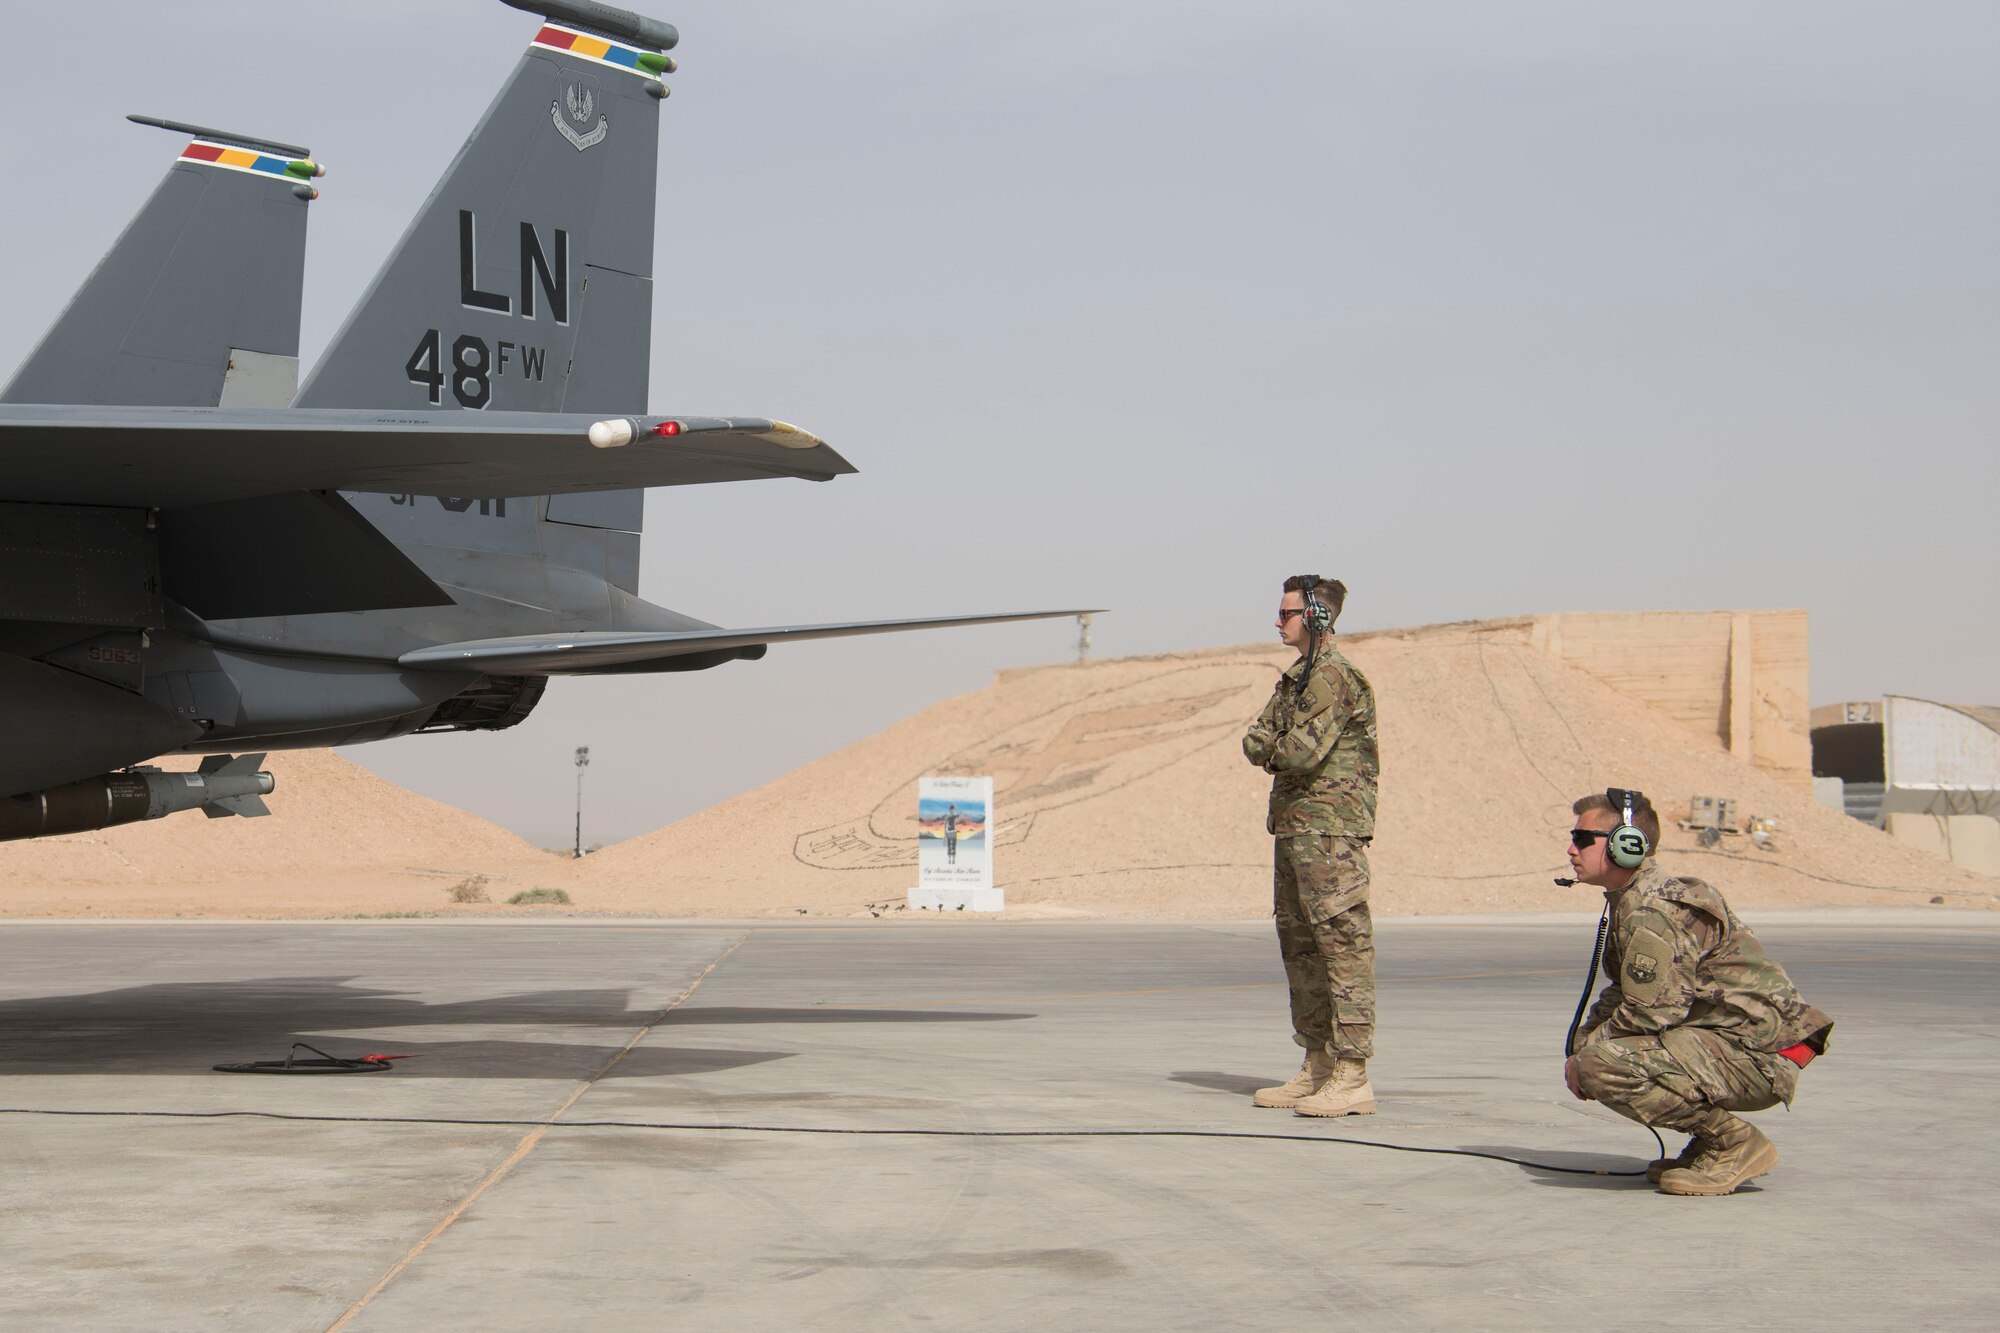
1316	737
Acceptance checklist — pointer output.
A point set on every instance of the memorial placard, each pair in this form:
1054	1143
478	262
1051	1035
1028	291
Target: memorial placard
955	845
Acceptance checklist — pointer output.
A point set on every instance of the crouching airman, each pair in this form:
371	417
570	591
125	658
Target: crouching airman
1696	1023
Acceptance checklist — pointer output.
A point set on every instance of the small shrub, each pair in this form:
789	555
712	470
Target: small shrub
471	889
535	897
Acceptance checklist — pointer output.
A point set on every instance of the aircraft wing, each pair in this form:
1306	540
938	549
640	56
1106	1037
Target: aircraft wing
617	650
154	458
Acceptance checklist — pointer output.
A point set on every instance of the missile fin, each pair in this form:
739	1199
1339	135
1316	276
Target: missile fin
250	807
224	765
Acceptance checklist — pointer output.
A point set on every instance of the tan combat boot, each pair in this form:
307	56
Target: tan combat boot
1659	1166
1312	1076
1346	1093
1733	1151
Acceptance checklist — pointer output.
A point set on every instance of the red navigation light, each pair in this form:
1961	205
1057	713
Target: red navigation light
668	428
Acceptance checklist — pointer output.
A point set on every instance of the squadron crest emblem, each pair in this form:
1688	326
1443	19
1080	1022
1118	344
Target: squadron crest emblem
579	101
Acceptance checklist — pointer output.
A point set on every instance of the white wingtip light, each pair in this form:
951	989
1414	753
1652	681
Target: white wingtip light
613	433
787	436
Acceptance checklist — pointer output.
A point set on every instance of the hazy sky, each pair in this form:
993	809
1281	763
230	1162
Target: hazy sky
1485	308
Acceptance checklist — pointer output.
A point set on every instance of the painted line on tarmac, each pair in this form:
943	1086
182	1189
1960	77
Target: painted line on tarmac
1176	990
528	1142
1076	995
1274	985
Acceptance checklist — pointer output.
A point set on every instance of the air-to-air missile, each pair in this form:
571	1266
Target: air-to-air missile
221	786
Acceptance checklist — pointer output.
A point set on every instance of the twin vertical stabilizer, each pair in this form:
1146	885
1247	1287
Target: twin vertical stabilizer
197	303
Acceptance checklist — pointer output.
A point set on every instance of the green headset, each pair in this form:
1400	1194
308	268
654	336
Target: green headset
1318	618
1628	845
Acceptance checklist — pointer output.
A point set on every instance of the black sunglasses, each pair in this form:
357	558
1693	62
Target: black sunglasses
1287	612
1581	838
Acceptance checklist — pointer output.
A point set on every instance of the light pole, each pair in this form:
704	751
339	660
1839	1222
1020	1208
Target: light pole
582	762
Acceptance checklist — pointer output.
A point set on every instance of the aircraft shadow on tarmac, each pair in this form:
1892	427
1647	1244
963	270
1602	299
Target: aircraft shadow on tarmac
186	1027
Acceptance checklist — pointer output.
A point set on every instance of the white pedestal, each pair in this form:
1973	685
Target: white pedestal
958	900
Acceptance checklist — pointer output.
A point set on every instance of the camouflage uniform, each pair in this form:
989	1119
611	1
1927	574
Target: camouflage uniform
1695	1014
1321	753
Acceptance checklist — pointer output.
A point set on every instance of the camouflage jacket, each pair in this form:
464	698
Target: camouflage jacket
1320	750
1676	956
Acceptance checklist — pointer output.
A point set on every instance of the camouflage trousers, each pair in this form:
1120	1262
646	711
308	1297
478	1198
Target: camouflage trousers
1327	940
1671	1080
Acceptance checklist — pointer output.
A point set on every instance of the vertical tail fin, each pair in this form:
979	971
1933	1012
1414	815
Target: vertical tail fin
525	282
197	303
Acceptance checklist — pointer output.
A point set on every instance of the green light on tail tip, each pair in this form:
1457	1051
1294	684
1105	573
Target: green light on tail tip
305	169
654	63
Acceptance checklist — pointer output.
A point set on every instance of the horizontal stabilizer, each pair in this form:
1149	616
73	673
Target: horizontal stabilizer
609	650
171	458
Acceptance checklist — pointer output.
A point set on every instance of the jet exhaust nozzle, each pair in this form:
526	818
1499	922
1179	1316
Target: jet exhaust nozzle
222	786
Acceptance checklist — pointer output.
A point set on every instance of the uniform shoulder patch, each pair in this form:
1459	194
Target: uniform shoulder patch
1648	957
1319	695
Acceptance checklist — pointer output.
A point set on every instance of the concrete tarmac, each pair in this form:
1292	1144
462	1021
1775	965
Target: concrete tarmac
380	1214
